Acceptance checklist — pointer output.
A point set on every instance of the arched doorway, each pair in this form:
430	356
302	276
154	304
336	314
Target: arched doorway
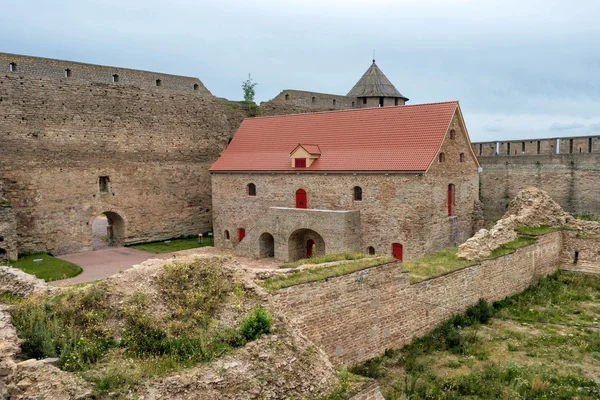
397	251
301	199
305	243
108	230
266	245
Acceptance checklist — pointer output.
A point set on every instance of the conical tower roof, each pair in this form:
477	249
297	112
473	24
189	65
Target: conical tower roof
374	83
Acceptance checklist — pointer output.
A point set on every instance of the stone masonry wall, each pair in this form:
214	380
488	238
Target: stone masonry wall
359	315
572	180
371	392
410	209
38	67
59	136
588	254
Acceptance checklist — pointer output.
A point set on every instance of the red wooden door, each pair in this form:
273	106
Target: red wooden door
300	198
397	251
309	248
242	234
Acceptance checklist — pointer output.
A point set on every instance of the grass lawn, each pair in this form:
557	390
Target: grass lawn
50	269
322	273
511	247
174	245
435	264
541	344
542	230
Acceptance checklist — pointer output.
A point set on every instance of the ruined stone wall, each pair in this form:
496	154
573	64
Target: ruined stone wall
580	253
572	180
8	228
359	315
410	209
40	68
59	136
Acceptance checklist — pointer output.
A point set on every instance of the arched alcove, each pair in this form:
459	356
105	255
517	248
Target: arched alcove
299	242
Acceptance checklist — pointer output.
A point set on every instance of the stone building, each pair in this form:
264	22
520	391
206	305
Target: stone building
388	180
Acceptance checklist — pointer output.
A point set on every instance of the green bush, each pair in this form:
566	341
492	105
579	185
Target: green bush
256	323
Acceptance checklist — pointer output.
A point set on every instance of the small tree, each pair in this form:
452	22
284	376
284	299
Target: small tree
248	88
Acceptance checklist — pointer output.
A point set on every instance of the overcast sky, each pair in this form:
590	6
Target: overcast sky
520	69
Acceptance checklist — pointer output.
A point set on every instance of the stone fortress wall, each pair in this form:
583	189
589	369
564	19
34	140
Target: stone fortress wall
62	135
567	168
46	68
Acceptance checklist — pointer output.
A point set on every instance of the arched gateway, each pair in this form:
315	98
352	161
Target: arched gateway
108	230
305	243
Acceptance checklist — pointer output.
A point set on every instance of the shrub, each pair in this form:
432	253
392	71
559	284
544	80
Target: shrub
256	323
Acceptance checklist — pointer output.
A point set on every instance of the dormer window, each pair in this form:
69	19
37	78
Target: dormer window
299	162
304	155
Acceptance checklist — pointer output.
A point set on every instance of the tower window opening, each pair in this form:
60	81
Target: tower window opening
381	102
314	100
115	78
12	67
395	101
539	146
104	184
364	100
508	149
334	102
158	82
287	96
480	149
523	147
442	157
570	145
462	157
358	193
67	73
196	86
589	145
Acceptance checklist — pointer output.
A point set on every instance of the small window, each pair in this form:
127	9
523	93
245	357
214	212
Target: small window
364	100
1	238
576	258
115	78
334	102
67	73
314	99
226	235
287	96
539	146
12	67
451	199
357	193
158	82
523	147
300	162
395	101
480	149
442	157
371	250
589	145
508	149
570	145
196	86
104	183
251	189
462	157
352	104
381	102
452	134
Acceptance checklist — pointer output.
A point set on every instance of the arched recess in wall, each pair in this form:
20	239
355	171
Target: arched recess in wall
108	230
266	245
300	241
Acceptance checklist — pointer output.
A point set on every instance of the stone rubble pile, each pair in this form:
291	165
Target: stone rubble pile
18	283
531	207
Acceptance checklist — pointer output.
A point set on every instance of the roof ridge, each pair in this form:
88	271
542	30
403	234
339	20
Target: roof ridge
353	109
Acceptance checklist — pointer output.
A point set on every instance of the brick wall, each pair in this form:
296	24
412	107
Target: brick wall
570	179
370	392
60	135
359	315
38	68
588	254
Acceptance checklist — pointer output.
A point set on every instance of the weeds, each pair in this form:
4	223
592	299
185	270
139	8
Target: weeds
511	247
325	258
256	323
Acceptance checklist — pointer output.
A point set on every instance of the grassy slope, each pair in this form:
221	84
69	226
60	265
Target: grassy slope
175	245
436	264
50	269
542	344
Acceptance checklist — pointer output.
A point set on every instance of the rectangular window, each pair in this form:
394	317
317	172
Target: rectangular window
570	146
364	100
300	162
104	183
480	149
523	147
538	146
508	149
589	145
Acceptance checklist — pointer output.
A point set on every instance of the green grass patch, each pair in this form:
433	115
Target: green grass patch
321	273
325	258
160	247
534	345
50	269
588	216
542	230
436	264
511	247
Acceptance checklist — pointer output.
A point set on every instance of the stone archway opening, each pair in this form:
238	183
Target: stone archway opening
266	245
108	230
305	243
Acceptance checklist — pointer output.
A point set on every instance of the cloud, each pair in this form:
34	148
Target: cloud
595	127
494	126
558	127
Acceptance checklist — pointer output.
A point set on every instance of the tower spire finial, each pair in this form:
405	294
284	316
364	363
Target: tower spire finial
373	56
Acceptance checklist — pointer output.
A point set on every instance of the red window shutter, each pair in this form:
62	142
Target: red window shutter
300	162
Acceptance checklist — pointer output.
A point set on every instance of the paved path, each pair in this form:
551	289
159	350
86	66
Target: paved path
101	264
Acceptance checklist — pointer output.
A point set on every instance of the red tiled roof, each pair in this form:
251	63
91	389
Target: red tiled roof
402	138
